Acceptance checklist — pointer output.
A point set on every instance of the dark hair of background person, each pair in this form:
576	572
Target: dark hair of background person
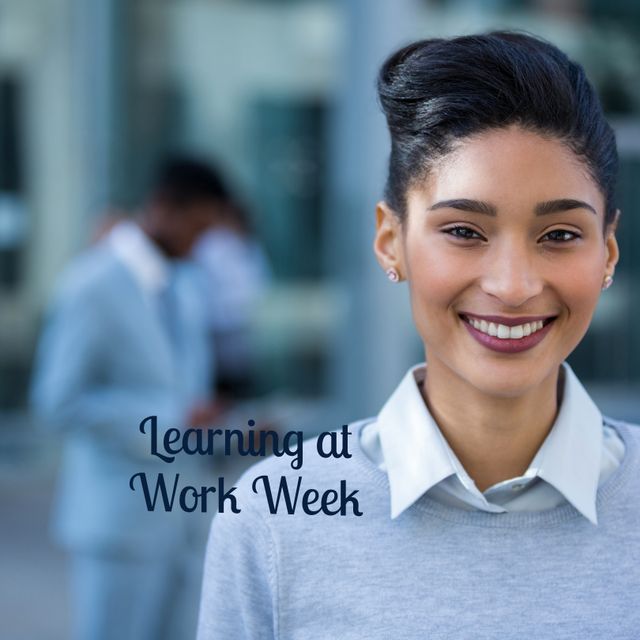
437	92
183	180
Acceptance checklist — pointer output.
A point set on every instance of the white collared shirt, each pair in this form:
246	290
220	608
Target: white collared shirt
578	454
148	265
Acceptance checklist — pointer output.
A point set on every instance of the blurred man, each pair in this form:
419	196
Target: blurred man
236	273
126	339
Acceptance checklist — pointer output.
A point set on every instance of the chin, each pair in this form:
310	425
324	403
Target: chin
510	381
509	389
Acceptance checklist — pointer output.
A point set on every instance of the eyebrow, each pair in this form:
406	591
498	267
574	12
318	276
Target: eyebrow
485	208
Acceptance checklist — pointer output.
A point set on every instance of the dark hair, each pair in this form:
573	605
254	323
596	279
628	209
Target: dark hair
184	180
436	92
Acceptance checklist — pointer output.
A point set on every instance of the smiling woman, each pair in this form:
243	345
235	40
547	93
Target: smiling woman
500	474
509	230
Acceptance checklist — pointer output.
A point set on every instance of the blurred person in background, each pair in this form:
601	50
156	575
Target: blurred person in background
126	338
236	273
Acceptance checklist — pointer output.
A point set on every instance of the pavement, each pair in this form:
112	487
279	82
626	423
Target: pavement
34	598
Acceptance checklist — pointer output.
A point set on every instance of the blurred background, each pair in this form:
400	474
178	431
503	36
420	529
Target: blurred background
280	95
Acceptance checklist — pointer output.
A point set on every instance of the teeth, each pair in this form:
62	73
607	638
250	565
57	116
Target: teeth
517	332
504	332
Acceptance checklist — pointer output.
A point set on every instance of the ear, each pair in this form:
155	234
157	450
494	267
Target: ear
387	243
612	244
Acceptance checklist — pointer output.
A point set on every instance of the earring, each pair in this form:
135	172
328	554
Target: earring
392	274
608	281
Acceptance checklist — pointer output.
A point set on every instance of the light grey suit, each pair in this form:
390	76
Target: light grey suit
104	363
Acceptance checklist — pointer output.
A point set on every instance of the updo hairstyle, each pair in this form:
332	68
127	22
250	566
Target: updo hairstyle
437	92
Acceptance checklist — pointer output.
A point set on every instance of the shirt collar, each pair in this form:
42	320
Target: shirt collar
414	450
145	261
572	451
418	457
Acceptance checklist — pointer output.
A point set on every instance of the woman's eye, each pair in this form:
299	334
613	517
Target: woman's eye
463	233
561	235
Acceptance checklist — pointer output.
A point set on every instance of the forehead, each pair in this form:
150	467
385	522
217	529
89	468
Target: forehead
510	168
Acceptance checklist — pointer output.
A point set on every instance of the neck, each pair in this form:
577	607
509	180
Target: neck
153	233
494	438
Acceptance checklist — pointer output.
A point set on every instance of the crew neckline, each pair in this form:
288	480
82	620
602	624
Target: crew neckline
512	519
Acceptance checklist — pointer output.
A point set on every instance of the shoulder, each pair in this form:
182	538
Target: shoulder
326	455
323	478
617	424
88	275
624	428
629	434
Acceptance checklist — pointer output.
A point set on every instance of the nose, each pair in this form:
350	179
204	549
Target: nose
511	275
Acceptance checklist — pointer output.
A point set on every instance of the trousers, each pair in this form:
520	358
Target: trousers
120	597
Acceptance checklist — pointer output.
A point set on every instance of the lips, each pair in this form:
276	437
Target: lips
508	335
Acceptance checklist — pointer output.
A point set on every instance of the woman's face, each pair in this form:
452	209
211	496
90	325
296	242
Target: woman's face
504	236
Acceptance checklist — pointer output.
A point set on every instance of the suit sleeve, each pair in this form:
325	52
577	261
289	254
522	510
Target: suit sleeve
239	593
69	390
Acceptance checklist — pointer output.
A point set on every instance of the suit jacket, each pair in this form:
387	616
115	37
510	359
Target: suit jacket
104	363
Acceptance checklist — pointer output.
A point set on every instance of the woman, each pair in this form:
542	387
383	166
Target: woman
496	502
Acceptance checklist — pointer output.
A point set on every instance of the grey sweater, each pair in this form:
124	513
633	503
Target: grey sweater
435	572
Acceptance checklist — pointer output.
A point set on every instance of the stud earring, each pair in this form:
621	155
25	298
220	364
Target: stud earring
608	281
392	274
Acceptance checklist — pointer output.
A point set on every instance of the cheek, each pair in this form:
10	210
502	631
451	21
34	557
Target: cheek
438	271
436	279
579	285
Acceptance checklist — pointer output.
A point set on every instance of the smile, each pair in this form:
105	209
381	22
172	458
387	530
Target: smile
504	332
508	338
